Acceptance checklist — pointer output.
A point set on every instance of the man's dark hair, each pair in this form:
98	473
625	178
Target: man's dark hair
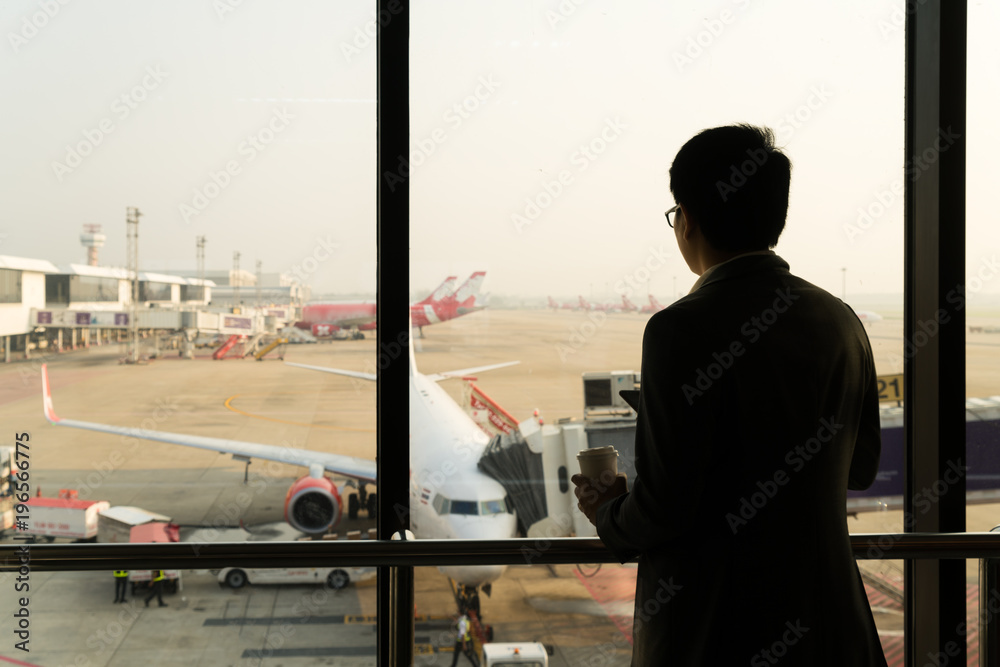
734	183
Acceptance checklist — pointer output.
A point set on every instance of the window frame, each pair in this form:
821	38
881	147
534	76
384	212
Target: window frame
934	249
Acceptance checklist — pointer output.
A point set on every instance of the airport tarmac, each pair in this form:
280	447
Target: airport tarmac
269	402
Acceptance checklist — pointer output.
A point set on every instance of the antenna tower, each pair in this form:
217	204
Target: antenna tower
236	277
132	250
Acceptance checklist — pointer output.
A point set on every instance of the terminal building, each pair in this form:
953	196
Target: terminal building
46	307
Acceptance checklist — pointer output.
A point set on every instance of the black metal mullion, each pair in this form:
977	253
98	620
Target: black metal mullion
395	584
934	322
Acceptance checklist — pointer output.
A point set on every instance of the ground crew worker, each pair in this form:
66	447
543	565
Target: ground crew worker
121	582
158	578
463	644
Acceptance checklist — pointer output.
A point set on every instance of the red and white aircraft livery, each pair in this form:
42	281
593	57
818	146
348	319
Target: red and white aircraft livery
602	307
653	307
450	498
628	306
444	303
466	299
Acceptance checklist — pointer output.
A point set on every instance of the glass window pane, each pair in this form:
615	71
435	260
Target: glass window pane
541	138
980	296
226	616
246	130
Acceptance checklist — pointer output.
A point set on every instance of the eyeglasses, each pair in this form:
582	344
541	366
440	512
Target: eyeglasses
671	214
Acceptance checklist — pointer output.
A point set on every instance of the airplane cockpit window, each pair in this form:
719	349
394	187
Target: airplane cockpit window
464	507
493	507
441	504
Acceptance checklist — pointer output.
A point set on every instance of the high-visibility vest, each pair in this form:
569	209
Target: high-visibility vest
159	576
121	573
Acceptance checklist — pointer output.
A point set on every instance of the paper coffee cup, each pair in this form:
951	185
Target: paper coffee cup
595	461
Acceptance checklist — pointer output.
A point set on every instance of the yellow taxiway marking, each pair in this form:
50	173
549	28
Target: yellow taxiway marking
230	406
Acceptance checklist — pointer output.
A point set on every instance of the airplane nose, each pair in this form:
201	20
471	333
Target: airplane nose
474	575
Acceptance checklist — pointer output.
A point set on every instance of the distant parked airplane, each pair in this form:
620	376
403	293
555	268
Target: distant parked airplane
867	316
444	303
653	307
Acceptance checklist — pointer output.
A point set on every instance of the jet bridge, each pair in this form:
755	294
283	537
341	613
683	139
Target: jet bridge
534	463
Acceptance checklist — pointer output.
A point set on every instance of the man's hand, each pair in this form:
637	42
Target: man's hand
592	493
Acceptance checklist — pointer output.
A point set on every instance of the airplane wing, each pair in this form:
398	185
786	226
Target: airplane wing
436	377
462	372
348	466
336	371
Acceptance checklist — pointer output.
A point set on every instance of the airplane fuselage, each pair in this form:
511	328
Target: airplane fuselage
449	496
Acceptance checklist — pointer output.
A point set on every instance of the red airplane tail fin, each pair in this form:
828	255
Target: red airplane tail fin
444	290
470	288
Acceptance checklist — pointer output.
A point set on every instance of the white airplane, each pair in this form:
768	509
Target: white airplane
449	497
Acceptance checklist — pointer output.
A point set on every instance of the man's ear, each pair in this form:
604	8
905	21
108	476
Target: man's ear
690	224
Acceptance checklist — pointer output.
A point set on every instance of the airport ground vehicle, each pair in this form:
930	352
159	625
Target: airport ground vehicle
521	654
334	577
64	516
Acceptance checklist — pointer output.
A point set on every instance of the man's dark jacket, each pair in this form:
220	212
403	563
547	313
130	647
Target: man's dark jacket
758	410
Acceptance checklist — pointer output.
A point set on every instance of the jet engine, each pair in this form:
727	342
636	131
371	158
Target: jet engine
313	504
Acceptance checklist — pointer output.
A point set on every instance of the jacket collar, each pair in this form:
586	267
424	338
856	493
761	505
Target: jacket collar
740	265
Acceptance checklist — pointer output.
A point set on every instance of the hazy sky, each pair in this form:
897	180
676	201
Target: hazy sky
577	110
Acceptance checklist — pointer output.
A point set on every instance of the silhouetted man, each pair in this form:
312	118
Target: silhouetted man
758	409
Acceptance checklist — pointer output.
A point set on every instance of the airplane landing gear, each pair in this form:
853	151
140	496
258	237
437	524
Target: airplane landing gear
369	501
467	598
